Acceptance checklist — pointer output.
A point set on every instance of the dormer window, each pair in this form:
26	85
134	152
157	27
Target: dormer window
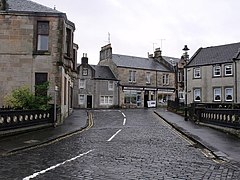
85	72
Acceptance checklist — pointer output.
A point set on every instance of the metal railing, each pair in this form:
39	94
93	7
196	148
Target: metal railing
13	119
207	113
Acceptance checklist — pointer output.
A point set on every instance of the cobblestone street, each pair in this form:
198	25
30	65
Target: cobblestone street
127	144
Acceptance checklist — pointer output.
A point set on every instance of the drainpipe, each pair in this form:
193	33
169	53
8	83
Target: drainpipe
235	82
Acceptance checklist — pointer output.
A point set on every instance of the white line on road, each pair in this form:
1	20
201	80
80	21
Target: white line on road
125	119
55	166
123	114
114	135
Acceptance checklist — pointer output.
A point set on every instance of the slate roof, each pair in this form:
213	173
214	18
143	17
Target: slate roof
171	60
103	72
28	6
215	55
137	62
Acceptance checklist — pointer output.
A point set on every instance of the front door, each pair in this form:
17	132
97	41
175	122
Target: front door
146	98
89	101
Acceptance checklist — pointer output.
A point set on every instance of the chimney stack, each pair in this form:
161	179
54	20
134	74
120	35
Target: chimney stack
157	53
84	59
106	52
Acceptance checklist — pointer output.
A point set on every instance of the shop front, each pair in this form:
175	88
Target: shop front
139	97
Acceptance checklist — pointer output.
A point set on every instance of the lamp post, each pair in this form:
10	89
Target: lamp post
186	58
55	106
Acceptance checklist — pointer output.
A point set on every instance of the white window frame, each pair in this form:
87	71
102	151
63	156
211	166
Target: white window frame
106	100
180	76
217	92
197	73
148	78
227	68
216	70
196	93
165	79
132	76
42	36
85	71
81	101
82	83
227	93
181	95
110	85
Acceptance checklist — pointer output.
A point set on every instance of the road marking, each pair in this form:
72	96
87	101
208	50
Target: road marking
57	165
114	135
125	119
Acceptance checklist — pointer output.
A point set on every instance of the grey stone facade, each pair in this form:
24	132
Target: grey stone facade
21	56
141	80
95	87
213	73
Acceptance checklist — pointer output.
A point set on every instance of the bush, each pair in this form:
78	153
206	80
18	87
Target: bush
22	98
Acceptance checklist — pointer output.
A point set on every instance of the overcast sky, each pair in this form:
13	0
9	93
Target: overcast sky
136	27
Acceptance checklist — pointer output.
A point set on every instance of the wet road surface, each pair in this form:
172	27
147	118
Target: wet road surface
127	144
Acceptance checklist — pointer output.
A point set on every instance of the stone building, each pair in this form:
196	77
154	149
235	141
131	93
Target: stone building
95	86
143	82
213	73
37	46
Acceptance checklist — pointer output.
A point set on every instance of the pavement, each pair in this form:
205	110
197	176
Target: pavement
76	122
223	145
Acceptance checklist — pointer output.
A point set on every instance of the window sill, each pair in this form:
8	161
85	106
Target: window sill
45	53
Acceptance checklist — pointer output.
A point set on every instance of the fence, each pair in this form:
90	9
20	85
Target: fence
225	114
221	116
13	119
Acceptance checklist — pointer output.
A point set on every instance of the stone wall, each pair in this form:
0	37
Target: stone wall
18	58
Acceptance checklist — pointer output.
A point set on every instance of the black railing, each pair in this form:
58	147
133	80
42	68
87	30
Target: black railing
227	118
13	119
217	114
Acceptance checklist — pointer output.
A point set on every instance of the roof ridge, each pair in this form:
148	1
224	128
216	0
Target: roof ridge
221	45
130	56
29	6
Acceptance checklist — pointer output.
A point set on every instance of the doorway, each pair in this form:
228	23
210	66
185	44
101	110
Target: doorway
146	98
89	101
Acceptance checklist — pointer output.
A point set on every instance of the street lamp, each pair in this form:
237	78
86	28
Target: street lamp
186	58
